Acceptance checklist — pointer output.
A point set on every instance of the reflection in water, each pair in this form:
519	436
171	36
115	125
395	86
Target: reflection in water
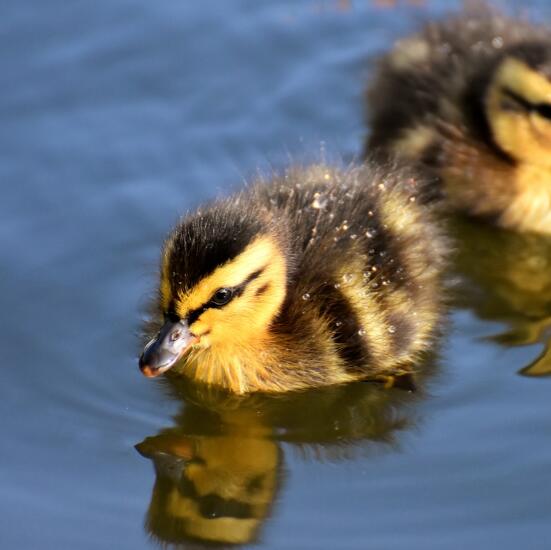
219	468
214	487
507	278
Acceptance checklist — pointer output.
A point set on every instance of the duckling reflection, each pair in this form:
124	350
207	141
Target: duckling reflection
507	278
220	467
213	487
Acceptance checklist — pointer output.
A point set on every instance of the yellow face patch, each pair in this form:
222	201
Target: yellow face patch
258	277
523	133
516	76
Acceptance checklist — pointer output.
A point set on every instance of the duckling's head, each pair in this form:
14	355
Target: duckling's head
518	103
223	280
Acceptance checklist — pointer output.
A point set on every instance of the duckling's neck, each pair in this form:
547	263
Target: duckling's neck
272	362
228	369
239	368
516	194
530	207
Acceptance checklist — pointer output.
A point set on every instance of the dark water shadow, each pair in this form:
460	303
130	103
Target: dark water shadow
220	468
506	277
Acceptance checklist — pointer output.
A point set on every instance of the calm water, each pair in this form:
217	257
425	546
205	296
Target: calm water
116	117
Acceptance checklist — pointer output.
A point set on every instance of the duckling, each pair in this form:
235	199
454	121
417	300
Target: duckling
320	276
470	98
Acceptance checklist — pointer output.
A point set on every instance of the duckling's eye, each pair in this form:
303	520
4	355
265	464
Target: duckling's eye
222	296
544	110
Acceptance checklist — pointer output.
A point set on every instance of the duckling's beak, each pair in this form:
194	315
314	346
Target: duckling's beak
162	353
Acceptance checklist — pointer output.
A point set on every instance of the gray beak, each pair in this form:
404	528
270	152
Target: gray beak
163	352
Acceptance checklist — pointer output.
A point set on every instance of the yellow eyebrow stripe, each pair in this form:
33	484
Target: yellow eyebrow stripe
194	314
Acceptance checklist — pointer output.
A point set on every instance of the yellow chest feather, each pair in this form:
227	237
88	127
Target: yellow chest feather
266	366
530	207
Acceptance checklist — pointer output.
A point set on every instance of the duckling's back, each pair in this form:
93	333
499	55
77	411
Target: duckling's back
366	263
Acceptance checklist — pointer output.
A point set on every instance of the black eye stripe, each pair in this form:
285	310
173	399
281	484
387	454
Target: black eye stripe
236	291
239	289
170	315
543	109
194	314
517	100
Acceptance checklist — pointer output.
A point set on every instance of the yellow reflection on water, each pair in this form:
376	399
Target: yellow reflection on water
220	468
506	277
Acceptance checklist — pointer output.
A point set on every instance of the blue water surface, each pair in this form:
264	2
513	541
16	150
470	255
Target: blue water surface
116	117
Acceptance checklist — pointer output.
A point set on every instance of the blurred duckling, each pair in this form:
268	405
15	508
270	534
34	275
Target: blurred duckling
319	276
470	97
